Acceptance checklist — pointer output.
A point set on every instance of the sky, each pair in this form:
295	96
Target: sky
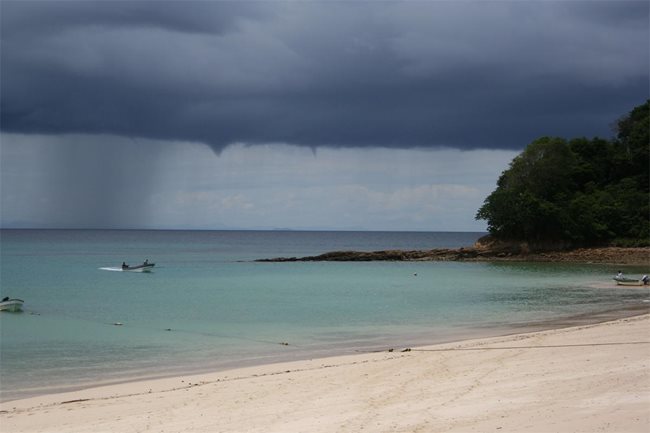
331	115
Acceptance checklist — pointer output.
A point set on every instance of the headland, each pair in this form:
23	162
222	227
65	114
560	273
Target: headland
606	255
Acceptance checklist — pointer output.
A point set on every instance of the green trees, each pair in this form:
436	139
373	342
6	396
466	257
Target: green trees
579	191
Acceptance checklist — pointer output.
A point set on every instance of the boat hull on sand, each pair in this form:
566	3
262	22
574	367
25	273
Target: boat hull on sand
628	282
622	281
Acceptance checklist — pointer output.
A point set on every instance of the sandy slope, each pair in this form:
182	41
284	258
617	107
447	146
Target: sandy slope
586	379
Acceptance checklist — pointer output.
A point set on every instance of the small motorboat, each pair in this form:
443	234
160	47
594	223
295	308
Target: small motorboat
145	267
11	305
623	281
628	282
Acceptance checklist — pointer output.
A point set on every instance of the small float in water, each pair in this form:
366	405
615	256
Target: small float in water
11	305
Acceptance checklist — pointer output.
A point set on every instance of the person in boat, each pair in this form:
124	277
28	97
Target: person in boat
146	262
5	299
124	265
619	276
645	280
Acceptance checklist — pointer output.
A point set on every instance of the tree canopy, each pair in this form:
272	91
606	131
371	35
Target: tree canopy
579	192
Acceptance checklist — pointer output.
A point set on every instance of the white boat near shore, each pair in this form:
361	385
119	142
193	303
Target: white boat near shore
623	281
628	282
11	305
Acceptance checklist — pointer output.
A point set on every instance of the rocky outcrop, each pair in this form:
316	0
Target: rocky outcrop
386	255
483	252
488	243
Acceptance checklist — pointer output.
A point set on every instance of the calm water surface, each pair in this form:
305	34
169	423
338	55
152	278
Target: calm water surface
208	306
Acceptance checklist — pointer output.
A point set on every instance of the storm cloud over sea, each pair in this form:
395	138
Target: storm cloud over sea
459	74
111	85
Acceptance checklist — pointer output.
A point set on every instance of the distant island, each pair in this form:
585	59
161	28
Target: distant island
578	200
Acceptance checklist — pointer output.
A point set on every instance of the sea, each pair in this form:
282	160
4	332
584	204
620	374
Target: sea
209	306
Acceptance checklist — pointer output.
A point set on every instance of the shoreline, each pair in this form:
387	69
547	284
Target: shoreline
605	255
421	339
513	382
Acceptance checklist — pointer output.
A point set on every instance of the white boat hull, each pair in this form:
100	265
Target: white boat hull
12	305
629	282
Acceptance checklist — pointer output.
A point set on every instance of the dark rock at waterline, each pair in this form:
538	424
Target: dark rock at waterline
485	250
386	255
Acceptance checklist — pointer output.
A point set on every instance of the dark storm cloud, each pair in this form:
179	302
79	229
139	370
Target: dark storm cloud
27	18
463	74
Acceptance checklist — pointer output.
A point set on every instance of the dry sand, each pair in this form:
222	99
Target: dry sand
584	379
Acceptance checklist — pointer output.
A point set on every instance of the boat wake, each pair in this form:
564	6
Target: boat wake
111	269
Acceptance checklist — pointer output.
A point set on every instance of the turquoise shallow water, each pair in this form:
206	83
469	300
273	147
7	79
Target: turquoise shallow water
208	306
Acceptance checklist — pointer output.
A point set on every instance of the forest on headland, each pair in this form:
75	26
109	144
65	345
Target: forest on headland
566	193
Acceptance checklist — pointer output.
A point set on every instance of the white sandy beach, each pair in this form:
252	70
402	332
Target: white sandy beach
593	378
